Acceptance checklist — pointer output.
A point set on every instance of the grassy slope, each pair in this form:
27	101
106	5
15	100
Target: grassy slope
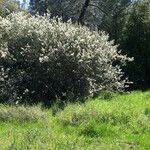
121	122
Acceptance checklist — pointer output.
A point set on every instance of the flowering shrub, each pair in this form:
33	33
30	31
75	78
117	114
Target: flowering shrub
45	60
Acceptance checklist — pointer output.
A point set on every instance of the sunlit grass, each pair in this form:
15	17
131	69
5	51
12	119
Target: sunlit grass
110	121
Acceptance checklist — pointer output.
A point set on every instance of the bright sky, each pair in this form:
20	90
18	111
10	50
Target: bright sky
21	1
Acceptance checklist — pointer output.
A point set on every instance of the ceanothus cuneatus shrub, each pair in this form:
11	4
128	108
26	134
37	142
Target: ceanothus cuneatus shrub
44	59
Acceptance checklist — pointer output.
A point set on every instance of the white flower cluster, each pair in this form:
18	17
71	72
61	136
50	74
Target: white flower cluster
58	57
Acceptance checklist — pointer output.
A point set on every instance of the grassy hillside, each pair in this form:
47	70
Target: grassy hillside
104	123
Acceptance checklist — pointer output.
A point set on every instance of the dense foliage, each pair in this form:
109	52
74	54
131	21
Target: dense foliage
126	21
43	60
136	43
8	6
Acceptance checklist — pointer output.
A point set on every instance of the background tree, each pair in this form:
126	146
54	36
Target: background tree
102	13
8	6
112	21
136	43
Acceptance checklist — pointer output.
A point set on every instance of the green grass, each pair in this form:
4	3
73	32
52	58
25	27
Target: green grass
110	121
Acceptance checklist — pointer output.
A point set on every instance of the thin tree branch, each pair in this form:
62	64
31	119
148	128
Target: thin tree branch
99	8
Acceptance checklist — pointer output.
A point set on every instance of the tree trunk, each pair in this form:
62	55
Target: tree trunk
83	11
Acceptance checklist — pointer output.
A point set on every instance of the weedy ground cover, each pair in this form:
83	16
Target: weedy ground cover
110	121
